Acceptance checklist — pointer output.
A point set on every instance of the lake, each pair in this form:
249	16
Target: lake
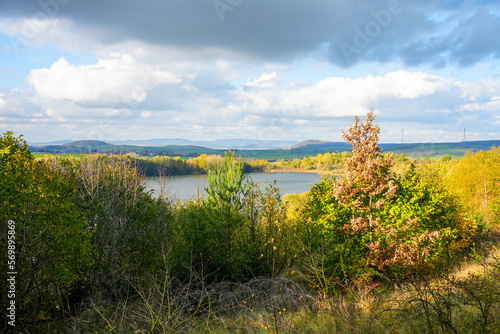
184	187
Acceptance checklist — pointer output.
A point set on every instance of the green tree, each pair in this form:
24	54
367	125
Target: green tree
226	193
52	246
225	185
419	228
446	158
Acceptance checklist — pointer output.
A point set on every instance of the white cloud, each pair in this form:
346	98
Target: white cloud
35	31
2	103
492	105
113	80
266	80
338	96
54	116
112	112
479	89
51	113
29	28
266	105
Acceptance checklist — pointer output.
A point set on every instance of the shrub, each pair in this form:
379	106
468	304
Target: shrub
446	158
52	247
128	227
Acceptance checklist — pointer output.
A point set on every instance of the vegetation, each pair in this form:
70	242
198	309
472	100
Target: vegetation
321	162
165	165
52	245
306	148
476	181
389	246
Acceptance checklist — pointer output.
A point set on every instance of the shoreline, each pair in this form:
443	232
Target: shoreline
299	170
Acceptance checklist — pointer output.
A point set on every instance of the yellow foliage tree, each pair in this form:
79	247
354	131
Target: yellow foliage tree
476	181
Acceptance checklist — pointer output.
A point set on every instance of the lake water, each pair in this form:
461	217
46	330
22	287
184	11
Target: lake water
184	187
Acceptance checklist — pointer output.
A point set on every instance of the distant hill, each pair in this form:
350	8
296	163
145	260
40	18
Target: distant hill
51	143
309	142
154	142
87	143
256	149
216	144
410	149
320	146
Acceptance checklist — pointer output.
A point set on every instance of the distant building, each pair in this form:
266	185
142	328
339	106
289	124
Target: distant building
132	154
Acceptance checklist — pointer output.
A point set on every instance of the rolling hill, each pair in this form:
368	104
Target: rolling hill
253	149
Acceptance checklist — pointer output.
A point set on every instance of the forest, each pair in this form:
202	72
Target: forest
389	246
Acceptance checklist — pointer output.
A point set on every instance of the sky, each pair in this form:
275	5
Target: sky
255	69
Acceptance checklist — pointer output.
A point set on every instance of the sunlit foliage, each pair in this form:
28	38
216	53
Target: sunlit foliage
377	223
476	180
52	246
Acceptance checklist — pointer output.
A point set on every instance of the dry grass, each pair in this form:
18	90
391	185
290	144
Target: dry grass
464	300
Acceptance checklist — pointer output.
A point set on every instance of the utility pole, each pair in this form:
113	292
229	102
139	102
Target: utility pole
402	134
465	139
485	194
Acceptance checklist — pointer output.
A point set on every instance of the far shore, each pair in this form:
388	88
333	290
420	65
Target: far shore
299	170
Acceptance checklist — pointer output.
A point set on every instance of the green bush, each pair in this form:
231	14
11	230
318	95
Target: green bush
52	246
446	158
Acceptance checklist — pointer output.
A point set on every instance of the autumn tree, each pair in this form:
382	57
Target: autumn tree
377	223
476	180
367	183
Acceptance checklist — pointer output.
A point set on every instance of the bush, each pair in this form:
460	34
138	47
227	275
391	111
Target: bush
52	246
128	227
446	158
238	232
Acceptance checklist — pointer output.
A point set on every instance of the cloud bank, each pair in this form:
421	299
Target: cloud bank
423	32
282	69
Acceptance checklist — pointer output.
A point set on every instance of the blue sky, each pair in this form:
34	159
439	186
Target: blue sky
281	69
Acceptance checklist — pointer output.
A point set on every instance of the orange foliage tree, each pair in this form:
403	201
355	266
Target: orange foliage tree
367	183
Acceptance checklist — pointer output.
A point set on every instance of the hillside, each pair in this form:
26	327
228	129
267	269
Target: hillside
214	144
87	143
254	150
456	149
